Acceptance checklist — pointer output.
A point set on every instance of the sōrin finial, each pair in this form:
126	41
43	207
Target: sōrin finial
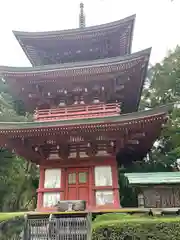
82	23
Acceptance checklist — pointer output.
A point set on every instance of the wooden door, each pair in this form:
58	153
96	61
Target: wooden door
78	184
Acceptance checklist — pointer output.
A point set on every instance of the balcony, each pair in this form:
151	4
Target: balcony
77	112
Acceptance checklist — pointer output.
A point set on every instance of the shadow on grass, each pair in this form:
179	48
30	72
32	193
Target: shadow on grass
11	226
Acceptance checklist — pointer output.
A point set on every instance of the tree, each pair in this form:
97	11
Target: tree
18	178
164	88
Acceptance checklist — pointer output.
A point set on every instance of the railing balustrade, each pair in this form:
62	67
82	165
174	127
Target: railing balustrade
77	112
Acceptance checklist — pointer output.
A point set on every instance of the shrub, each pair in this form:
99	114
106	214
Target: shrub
137	228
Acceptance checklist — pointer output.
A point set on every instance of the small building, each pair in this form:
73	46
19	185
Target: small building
156	189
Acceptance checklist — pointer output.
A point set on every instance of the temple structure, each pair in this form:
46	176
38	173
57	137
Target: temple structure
156	189
84	89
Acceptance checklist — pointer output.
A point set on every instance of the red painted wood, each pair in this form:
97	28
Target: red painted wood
41	186
83	194
73	163
80	191
77	112
72	193
91	181
115	185
76	189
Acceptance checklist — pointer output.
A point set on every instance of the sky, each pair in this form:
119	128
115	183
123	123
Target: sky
157	22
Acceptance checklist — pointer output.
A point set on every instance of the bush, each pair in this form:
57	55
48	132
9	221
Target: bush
137	228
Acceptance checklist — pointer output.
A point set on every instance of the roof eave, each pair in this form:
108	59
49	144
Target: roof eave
76	65
160	111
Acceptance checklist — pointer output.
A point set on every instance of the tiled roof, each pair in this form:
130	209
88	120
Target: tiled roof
125	119
153	178
79	65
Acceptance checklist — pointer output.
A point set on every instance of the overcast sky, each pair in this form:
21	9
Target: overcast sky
157	22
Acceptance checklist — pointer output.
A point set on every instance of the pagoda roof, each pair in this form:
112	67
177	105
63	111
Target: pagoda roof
133	133
71	68
124	120
54	46
130	70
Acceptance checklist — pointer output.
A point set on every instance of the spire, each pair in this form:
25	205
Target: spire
82	22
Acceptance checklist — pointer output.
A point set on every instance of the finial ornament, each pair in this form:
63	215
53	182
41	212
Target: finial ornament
82	22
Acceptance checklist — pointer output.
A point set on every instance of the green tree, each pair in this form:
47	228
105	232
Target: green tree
18	177
164	88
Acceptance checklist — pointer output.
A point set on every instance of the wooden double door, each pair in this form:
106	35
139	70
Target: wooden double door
77	183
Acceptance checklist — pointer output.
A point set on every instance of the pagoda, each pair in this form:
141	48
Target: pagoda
84	89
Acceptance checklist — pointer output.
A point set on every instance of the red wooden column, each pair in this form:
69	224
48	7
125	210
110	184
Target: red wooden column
91	182
115	179
41	186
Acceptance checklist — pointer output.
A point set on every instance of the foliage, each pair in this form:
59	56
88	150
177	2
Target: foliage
18	178
11	109
19	190
164	88
114	216
128	194
137	228
11	226
7	216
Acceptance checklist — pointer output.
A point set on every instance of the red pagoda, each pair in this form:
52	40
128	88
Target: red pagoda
84	89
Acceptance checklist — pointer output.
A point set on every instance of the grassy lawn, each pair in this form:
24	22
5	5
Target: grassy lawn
7	216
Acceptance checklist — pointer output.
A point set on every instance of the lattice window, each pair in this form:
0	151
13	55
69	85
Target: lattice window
82	177
104	197
72	178
103	176
52	178
50	199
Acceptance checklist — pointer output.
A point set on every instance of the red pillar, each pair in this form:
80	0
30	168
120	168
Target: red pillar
40	190
116	184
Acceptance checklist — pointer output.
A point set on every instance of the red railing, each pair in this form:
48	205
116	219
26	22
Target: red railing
77	112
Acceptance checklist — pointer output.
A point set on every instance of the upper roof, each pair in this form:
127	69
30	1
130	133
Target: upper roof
153	178
81	44
80	68
120	77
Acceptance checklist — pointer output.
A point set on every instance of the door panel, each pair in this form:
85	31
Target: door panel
83	194
72	193
78	184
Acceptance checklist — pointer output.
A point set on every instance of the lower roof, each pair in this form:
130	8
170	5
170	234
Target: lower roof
124	120
133	133
153	178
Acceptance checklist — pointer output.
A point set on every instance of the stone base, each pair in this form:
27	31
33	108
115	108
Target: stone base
69	206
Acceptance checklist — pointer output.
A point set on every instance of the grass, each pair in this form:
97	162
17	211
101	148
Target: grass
7	216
